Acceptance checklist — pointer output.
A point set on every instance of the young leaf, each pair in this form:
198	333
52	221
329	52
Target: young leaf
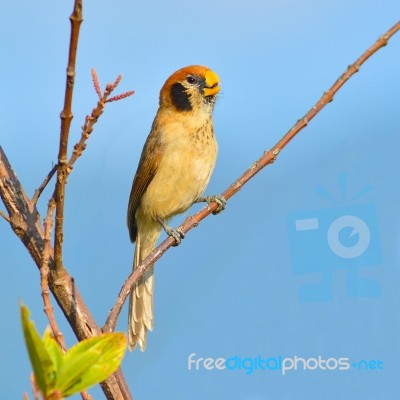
90	362
72	371
53	349
42	364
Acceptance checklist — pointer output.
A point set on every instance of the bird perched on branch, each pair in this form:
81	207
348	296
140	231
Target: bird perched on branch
174	169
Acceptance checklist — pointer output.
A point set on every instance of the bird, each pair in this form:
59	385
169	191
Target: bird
174	169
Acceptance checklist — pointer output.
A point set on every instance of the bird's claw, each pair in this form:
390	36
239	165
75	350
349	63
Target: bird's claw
219	199
177	234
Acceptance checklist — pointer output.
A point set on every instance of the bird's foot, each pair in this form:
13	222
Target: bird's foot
175	233
219	199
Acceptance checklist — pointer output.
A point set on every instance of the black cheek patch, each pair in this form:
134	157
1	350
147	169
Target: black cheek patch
180	98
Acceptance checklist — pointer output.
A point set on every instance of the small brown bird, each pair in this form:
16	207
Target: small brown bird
174	169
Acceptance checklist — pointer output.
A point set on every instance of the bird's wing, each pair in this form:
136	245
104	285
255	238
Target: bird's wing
147	168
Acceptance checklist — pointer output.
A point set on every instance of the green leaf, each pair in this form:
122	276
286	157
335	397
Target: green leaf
42	364
90	362
54	350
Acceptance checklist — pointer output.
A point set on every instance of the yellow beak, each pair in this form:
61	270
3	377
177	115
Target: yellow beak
212	83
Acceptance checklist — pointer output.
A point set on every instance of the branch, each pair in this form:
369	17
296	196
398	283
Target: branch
267	158
25	222
66	118
66	115
43	185
44	274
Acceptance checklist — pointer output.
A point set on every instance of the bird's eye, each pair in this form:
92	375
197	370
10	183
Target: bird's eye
191	79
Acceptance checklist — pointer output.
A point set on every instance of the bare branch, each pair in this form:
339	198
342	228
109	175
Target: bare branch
44	273
267	158
43	185
66	118
76	19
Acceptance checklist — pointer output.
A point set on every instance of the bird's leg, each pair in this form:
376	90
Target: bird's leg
175	233
219	199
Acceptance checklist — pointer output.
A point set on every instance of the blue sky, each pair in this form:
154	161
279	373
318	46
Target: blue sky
245	283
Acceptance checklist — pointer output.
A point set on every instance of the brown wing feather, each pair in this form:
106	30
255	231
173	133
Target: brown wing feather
147	168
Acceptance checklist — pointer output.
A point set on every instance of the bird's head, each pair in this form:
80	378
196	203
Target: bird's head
190	89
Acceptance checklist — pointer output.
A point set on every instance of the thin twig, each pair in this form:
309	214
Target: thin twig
5	216
44	283
87	128
40	189
267	158
66	118
44	274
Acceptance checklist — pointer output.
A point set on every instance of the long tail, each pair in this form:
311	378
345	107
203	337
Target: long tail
141	298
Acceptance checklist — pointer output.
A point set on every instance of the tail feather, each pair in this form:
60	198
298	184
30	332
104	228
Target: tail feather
141	298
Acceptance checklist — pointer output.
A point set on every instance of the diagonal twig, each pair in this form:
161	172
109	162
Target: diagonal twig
43	185
267	158
44	276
